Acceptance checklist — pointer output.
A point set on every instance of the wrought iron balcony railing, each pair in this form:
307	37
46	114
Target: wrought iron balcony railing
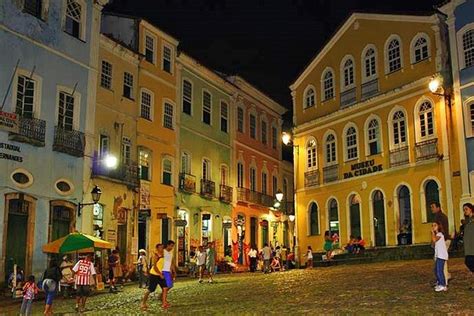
70	142
31	131
267	200
254	197
187	183
369	89
208	188
125	173
426	150
225	194
311	178
330	173
399	156
348	97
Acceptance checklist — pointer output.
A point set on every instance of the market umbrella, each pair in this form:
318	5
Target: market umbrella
76	242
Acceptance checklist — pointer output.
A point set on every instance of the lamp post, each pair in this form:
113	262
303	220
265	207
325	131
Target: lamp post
436	88
95	193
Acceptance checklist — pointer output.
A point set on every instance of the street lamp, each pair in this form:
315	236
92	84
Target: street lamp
95	193
291	217
436	87
110	161
279	196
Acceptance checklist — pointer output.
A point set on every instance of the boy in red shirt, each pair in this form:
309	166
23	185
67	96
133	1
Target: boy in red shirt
83	270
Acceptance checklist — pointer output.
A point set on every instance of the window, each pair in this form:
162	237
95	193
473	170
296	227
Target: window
264	132
167	171
351	143
240	175
240	120
264	183
468	48
431	195
66	111
104	145
330	149
127	85
348	72
313	219
144	165
311	157
126	151
425	115
274	137
224	117
167	59
420	49
471	110
253	179
333	217
25	97
168	116
309	98
185	163
394	56
328	85
399	128
253	126
275	186
223	175
370	64
206	107
73	19
146	105
373	131
187	96
149	49
106	75
285	189
206	169
33	7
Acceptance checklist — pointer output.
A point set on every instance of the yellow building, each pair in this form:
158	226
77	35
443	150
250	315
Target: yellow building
373	145
114	218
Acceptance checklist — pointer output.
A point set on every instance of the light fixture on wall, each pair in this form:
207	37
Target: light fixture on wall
437	87
95	193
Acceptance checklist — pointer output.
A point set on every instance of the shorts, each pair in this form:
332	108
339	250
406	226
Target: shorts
211	268
83	290
469	262
154	281
49	287
168	279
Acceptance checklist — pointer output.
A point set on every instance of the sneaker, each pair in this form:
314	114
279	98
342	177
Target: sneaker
210	281
441	288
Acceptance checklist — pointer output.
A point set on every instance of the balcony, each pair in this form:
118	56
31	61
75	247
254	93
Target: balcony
369	89
225	194
288	207
208	188
254	197
348	97
426	150
399	156
267	200
330	173
69	142
31	131
311	178
187	183
125	173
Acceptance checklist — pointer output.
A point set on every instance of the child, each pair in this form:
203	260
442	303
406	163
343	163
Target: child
441	255
359	245
29	291
328	244
309	255
350	245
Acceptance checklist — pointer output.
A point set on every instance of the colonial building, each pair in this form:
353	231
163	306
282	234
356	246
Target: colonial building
204	200
374	146
48	76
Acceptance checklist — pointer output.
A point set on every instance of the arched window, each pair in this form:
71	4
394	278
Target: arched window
425	120
331	149
328	85
420	50
404	209
311	157
313	219
354	215
309	98
351	144
399	128
471	112
394	57
468	48
333	217
373	137
348	73
370	64
431	195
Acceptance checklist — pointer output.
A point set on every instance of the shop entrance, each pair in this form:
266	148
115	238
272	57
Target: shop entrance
182	234
264	232
206	229
253	232
379	218
122	241
227	233
355	215
18	212
404	236
142	230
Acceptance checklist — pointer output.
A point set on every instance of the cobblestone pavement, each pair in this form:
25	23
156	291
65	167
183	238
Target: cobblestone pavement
391	287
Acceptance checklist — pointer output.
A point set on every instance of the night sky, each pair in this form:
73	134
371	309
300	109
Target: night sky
268	42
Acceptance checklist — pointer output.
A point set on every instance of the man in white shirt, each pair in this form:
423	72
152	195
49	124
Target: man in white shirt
169	271
201	262
267	253
253	259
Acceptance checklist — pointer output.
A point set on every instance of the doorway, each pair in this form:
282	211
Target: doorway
355	216
16	251
264	232
379	218
122	242
253	232
404	236
142	230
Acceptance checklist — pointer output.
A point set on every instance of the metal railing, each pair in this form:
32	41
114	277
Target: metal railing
399	156
70	142
330	173
31	131
426	150
348	97
187	183
311	178
208	188
254	197
126	173
369	89
225	193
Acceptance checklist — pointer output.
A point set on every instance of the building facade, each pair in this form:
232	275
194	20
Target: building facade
374	145
50	51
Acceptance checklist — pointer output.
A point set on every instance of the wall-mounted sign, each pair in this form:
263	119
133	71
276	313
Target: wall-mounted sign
122	216
8	155
362	168
112	236
180	222
239	221
9	122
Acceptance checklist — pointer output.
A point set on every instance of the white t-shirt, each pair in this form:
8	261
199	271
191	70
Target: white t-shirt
440	247
310	254
253	253
267	253
168	258
201	258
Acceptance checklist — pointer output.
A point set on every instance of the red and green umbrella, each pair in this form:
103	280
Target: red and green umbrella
76	242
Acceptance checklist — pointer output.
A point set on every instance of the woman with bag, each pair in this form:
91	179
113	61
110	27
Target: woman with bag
51	278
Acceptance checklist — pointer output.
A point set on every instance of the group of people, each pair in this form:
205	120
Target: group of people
270	259
203	260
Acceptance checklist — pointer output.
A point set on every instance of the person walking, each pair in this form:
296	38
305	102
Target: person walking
113	261
441	256
51	278
155	276
83	272
169	272
440	217
201	262
253	258
211	261
469	241
266	253
309	257
141	268
29	291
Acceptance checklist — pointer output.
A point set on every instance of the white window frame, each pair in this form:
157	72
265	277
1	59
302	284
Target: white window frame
367	136
344	140
170	158
386	52
305	97
109	76
254	114
152	103
226	117
37	92
103	138
364	59
470	117
243	119
325	149
126	142
391	130
413	48
149	159
459	36
164	114
77	105
308	222
208	175
264	182
183	97
311	154
166	45
131	97
210	106
224	169
188	168
44	10
154	38
242	179
323	90
343	68
416	115
82	29
253	168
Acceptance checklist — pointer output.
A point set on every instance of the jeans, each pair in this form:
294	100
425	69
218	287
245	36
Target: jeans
439	271
26	307
266	265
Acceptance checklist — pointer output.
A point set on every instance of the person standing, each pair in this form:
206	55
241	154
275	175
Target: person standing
253	258
83	271
169	272
29	291
328	244
201	262
51	278
309	257
440	217
113	261
141	268
211	260
266	253
441	256
284	252
469	240
155	276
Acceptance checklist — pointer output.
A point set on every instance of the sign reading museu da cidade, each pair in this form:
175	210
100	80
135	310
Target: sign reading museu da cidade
363	168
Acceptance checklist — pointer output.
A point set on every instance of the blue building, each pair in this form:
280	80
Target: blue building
48	76
460	20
